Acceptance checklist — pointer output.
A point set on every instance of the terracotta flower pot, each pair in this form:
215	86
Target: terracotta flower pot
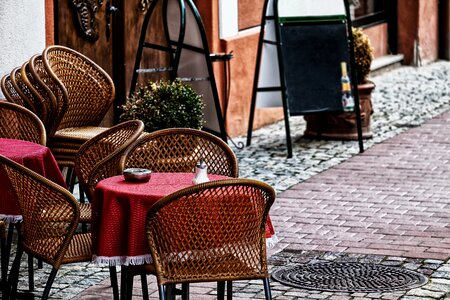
342	125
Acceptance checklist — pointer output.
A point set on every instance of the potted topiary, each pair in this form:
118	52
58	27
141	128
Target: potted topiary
342	125
165	104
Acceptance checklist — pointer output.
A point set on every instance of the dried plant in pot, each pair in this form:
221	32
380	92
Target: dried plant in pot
165	104
342	125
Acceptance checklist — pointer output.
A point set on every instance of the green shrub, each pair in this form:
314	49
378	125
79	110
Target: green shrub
165	104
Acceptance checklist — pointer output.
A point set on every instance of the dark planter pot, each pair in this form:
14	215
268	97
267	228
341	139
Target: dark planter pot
342	125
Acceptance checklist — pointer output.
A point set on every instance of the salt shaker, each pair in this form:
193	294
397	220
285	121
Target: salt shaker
201	173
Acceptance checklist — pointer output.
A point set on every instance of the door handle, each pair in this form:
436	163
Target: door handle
110	9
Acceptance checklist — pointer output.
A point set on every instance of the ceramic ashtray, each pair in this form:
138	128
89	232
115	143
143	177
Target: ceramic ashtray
137	174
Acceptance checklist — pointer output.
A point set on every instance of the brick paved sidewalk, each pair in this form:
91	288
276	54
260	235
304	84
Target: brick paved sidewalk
389	203
393	199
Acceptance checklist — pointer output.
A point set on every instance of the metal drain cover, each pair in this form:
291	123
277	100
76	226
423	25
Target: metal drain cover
348	277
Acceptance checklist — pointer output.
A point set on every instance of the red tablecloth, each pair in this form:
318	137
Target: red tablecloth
33	156
119	210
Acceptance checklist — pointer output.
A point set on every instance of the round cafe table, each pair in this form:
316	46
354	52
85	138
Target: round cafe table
119	210
33	156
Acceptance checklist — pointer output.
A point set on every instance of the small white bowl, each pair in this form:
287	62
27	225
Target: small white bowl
137	174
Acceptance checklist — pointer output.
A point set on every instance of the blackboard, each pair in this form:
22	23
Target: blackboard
312	55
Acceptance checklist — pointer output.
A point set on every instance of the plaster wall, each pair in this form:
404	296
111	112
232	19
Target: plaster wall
418	30
428	32
22	32
378	39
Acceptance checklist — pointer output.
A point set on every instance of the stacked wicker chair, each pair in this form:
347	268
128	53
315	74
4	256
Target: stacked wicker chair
43	100
15	87
216	232
88	92
11	93
48	235
22	89
48	91
176	150
68	91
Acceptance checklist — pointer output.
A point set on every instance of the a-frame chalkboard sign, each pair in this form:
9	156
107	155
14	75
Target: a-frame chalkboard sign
174	29
301	46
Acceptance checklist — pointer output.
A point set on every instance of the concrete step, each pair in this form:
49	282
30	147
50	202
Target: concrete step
385	63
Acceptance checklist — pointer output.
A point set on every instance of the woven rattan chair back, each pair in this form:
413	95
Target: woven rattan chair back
179	150
17	122
50	217
99	157
216	232
49	92
23	90
36	93
89	90
8	90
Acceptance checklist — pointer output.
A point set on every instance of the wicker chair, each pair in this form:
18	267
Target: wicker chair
22	89
216	232
48	91
50	217
179	150
8	89
17	122
89	93
99	158
38	95
10	92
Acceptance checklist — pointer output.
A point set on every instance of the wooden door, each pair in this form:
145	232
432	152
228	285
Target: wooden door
106	31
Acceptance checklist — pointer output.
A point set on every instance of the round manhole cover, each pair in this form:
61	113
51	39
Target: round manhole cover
348	277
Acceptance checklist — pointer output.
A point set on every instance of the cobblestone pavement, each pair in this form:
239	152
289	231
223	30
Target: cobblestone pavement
387	205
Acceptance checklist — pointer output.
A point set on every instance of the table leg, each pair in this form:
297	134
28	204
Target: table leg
123	282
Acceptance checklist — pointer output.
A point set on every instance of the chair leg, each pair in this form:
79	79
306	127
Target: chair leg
220	290
82	199
185	291
162	291
6	253
229	290
144	287
3	264
71	178
30	273
11	288
9	242
171	291
267	291
114	283
49	284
